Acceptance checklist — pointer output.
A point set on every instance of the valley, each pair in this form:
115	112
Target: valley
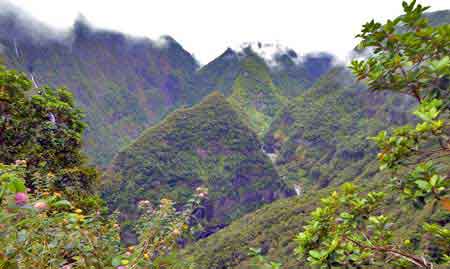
262	132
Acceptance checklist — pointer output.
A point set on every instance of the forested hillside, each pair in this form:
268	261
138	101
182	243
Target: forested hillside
203	146
125	84
122	152
321	141
320	137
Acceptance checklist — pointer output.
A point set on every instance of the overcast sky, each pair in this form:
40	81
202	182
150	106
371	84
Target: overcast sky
207	27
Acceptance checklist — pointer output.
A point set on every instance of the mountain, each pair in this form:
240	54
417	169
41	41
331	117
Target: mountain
274	227
439	17
257	78
220	73
203	146
320	137
318	141
290	72
255	95
123	84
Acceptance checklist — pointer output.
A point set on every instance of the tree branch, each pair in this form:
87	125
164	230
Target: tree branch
417	260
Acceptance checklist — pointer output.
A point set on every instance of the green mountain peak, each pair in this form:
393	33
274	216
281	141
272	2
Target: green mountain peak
206	145
254	93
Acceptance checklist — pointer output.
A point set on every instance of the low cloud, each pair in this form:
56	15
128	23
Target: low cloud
276	56
23	27
19	26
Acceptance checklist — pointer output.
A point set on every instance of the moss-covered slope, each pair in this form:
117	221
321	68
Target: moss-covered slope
255	95
321	141
206	145
320	137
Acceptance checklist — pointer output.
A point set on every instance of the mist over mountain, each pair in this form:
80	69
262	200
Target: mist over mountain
257	125
123	83
126	83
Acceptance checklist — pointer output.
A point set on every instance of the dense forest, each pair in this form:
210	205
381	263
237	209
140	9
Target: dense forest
123	152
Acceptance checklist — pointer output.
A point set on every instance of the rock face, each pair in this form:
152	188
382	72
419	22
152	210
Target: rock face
206	145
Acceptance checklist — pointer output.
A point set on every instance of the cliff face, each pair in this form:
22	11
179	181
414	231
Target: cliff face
206	145
123	84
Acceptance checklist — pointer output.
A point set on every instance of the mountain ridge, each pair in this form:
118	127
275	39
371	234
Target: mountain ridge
206	145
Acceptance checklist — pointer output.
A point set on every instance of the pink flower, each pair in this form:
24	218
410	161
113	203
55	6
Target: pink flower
21	162
40	206
122	267
21	198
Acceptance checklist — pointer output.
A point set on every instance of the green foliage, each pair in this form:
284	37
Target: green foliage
408	57
336	116
261	262
50	216
44	128
346	231
323	131
123	84
47	230
254	94
206	145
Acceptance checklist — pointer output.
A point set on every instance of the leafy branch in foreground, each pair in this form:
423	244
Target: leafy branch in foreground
47	230
410	57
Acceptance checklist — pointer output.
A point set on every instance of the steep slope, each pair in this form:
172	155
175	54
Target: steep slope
291	73
320	137
294	74
123	84
126	84
258	76
255	95
273	229
206	145
439	17
219	74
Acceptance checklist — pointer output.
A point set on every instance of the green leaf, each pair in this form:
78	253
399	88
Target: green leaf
16	185
62	203
424	185
116	261
315	254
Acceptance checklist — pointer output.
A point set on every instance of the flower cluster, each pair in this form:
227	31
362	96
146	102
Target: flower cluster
202	192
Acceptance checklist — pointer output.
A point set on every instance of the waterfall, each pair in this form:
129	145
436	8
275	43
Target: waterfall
298	189
34	81
51	118
272	156
16	48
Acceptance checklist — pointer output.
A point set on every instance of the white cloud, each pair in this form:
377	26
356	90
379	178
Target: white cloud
206	28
